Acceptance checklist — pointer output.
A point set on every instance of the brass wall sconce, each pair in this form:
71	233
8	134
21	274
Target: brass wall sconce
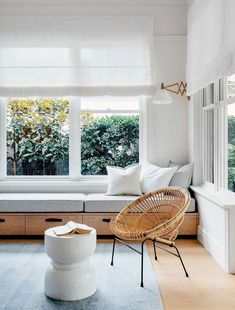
163	97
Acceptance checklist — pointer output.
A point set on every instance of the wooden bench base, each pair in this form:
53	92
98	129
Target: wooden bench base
35	224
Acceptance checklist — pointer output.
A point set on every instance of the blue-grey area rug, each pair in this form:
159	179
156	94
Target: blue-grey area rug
23	265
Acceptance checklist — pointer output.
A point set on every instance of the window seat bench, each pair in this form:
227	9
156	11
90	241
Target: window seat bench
33	213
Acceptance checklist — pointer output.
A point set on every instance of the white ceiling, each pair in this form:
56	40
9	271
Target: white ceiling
93	2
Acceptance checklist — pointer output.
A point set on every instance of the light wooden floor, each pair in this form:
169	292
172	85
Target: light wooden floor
208	287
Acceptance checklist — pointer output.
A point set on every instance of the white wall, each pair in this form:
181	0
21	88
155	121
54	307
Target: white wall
167	125
216	208
169	130
169	19
216	226
212	229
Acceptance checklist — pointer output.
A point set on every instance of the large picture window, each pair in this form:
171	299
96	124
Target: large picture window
64	140
74	138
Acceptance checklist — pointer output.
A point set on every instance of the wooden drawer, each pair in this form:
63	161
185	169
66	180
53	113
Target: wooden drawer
189	225
12	224
99	221
37	224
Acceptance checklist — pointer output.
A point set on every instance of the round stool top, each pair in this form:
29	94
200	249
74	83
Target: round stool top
69	248
50	233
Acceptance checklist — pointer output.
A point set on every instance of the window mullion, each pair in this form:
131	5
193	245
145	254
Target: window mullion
216	90
75	138
2	140
204	141
224	147
143	154
208	134
216	153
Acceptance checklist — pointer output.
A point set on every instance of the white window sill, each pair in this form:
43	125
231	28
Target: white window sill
53	186
222	198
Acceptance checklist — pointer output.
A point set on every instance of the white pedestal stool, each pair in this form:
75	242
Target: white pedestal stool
70	275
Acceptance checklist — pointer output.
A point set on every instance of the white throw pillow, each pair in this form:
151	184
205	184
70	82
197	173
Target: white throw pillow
155	177
124	181
183	175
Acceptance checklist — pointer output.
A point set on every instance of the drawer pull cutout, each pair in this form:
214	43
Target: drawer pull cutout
2	220
106	220
53	220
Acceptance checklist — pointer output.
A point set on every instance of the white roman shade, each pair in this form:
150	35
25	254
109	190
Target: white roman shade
93	55
211	42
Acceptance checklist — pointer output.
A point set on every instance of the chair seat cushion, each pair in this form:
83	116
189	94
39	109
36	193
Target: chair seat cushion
41	202
100	202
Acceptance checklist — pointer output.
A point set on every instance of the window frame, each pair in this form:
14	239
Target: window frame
209	104
120	111
207	147
220	104
223	127
3	141
74	147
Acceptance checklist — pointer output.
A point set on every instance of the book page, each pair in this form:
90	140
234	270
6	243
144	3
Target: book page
72	227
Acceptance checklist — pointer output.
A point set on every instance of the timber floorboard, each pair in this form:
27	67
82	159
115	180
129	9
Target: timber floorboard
208	286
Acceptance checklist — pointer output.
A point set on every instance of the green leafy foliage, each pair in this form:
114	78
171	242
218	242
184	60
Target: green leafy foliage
231	129
38	139
108	140
37	136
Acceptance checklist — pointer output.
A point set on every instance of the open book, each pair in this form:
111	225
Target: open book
72	228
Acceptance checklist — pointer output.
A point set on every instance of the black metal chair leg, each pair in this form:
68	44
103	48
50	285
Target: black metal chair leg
114	242
155	251
142	265
187	275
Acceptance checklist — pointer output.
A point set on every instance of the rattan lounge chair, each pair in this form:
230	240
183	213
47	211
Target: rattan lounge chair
156	217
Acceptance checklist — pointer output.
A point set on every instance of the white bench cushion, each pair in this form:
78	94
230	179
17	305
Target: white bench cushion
192	206
100	202
41	202
66	202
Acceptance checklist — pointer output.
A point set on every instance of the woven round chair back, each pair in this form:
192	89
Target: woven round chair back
156	214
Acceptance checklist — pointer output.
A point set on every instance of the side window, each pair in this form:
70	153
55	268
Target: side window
37	137
208	110
208	149
231	134
109	133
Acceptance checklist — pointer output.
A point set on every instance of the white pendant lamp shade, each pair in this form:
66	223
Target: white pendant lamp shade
162	97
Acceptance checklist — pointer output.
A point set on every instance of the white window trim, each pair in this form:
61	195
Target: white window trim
220	140
2	139
74	181
208	107
3	162
223	132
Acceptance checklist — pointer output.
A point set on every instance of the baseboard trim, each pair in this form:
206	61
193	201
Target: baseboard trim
216	250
